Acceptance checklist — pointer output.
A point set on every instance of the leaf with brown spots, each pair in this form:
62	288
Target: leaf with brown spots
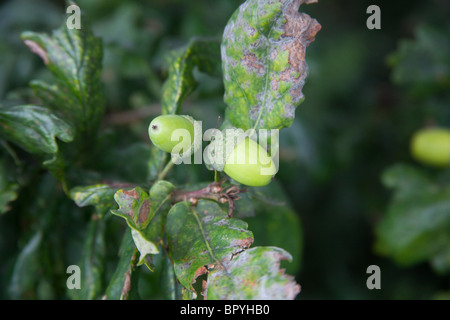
263	60
253	274
201	237
204	240
145	214
138	208
133	204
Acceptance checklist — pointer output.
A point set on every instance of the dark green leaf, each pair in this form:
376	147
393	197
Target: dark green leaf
7	194
92	263
26	268
8	188
263	59
201	53
168	283
423	64
416	227
101	196
74	57
441	261
275	223
57	166
120	284
160	196
34	128
406	180
253	274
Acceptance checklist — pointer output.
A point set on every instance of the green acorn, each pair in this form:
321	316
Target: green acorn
241	158
175	134
431	146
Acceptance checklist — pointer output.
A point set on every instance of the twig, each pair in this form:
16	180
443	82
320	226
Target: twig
125	294
132	116
214	191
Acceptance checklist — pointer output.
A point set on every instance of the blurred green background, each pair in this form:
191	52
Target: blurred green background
366	93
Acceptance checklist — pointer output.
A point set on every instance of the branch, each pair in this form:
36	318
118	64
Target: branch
214	191
131	116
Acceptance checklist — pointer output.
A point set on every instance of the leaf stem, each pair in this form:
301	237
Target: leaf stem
165	171
216	176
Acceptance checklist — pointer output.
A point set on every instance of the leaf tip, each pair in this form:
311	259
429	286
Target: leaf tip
37	49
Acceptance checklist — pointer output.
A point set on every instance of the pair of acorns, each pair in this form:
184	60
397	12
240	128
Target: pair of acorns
245	162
